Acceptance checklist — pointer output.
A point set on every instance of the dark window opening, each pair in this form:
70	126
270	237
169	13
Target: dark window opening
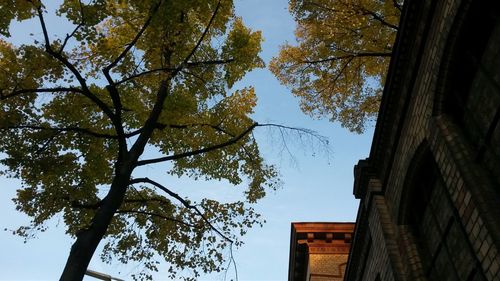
469	47
440	239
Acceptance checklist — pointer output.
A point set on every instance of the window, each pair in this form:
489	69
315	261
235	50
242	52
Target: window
441	242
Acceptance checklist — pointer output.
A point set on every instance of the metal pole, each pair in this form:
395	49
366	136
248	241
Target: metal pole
101	276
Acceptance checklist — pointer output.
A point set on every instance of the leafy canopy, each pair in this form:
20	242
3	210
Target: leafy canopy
78	110
342	55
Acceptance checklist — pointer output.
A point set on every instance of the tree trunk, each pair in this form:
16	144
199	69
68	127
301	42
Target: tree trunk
87	241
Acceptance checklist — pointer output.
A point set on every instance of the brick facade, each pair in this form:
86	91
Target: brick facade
430	189
319	251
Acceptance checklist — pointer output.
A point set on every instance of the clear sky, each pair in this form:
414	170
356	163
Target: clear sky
316	187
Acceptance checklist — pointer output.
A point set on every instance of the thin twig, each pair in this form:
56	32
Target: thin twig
234	261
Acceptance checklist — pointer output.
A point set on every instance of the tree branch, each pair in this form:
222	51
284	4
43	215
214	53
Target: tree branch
130	45
319	6
161	126
300	130
355	55
397	5
85	90
198	151
364	11
186	60
142	74
150	124
146	200
188	65
89	206
40	90
183	202
339	73
68	36
47	143
378	18
113	91
95	206
209	62
155	215
65	129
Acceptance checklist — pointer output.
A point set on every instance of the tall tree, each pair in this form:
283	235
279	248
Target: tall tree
342	55
78	111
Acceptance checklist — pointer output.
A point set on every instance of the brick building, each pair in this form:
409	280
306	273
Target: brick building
430	190
319	251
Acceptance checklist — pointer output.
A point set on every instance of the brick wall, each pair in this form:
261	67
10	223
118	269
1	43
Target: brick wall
453	232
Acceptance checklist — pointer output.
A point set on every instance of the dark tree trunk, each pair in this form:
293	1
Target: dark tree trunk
87	240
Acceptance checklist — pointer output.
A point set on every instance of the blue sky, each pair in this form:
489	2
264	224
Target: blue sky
316	187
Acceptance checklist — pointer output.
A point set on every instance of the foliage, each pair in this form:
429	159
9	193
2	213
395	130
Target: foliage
78	111
342	55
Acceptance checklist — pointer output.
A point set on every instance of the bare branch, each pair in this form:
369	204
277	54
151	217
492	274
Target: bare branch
183	202
301	131
300	137
233	262
298	129
199	151
233	140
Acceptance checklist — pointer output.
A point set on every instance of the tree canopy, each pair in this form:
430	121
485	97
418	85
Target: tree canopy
78	111
339	65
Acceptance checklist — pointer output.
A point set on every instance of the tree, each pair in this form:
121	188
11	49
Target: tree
78	112
341	59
